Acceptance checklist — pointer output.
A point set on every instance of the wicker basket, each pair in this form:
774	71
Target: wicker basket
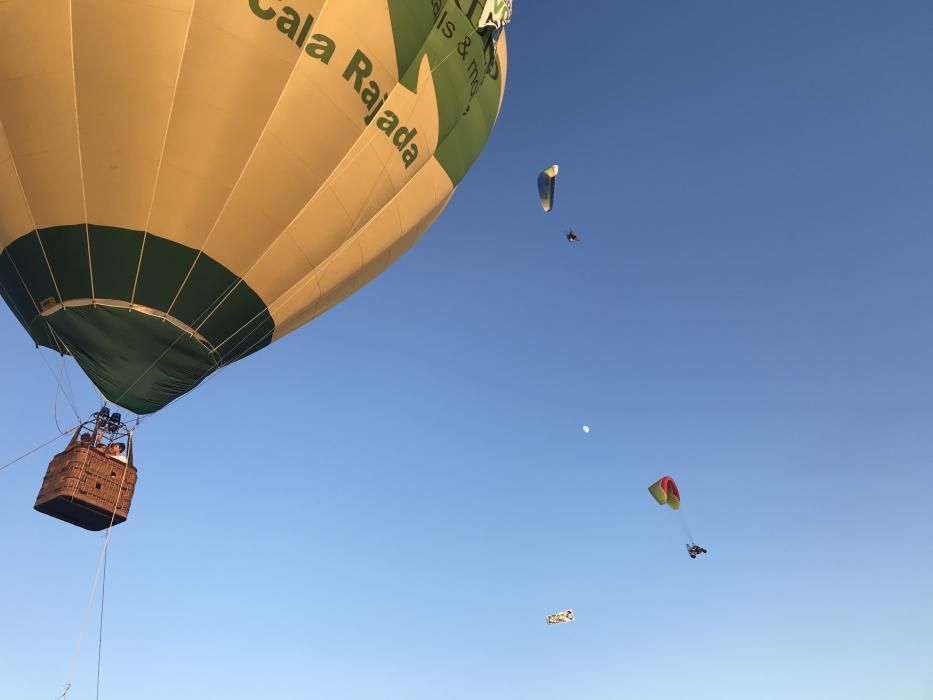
86	488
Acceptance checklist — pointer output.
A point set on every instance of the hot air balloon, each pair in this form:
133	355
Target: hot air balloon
169	206
183	183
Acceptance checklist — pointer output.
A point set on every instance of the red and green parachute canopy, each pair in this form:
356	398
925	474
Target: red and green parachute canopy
665	492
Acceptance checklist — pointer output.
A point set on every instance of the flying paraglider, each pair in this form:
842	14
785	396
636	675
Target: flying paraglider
695	550
547	179
665	492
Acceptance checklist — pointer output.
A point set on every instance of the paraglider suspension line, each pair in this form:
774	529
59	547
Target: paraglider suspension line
683	526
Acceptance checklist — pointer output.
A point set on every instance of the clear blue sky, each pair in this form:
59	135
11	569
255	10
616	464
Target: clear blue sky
387	503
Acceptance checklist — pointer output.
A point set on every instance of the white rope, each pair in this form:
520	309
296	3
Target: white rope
74	82
100	629
12	303
69	386
59	388
9	252
35	229
101	560
683	526
22	281
36	449
87	461
155	186
64	346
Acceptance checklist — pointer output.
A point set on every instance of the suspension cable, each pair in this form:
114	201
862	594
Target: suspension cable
36	449
100	633
101	565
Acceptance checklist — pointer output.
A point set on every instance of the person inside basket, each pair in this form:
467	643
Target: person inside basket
115	450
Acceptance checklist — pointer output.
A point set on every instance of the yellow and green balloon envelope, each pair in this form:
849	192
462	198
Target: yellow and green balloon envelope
665	492
183	182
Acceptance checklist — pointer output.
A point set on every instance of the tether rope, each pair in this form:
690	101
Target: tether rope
101	563
36	449
100	633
